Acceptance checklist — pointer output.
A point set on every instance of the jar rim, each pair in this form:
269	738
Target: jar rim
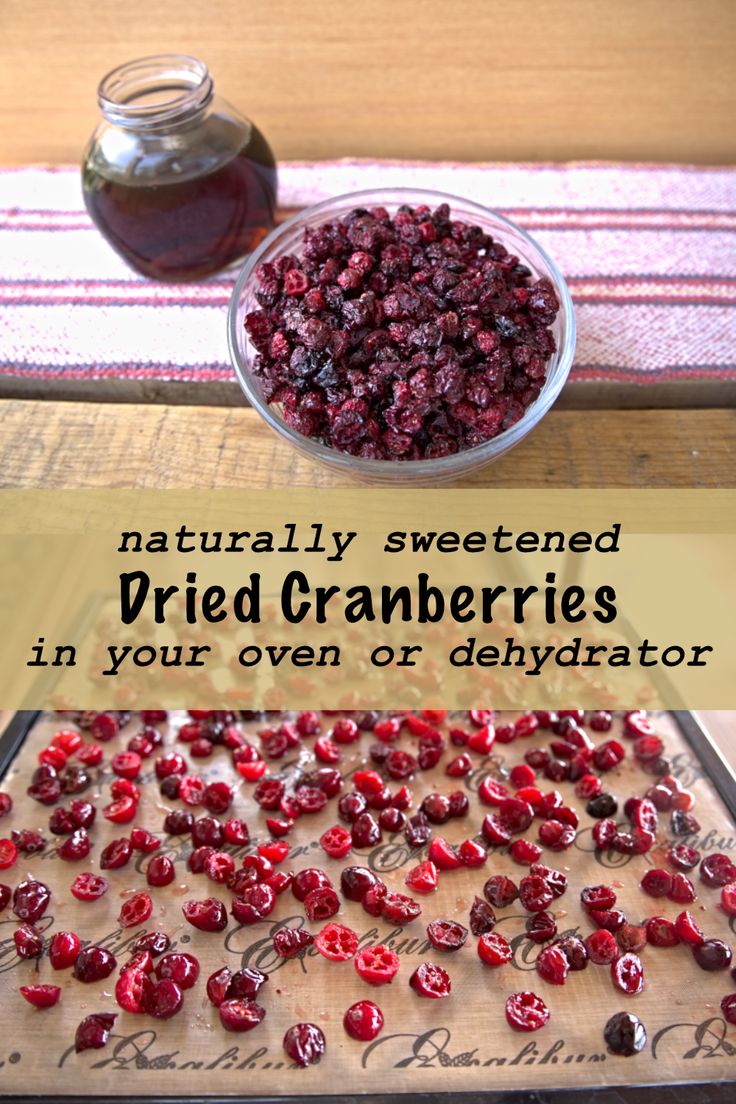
154	91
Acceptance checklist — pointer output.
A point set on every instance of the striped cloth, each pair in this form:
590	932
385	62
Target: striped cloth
649	252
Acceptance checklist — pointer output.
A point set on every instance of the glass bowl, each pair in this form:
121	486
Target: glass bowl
287	238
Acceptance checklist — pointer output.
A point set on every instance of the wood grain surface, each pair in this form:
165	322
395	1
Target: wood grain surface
49	444
469	79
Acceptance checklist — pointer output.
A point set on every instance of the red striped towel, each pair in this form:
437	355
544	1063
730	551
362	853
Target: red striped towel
649	252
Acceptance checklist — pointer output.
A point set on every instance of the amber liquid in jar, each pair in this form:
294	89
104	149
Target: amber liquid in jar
185	228
176	179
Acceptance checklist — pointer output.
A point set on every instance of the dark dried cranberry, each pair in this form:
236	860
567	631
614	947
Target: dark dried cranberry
604	805
482	917
500	891
289	942
94	1030
684	857
365	831
712	954
447	935
625	1034
575	952
30	900
304	1043
240	1014
355	881
540	927
717	870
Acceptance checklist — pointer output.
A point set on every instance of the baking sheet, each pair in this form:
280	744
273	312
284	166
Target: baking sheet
458	1045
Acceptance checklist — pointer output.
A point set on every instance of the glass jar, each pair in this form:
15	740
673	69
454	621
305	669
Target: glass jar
178	182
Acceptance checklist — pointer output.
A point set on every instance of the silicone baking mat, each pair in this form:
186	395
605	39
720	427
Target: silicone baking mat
439	1049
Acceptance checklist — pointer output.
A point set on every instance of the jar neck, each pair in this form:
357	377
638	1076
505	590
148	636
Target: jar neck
155	92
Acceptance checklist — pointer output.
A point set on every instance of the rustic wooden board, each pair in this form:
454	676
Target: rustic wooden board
464	1039
473	80
49	444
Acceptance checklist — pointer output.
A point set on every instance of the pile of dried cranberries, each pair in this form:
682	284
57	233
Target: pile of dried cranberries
401	337
523	816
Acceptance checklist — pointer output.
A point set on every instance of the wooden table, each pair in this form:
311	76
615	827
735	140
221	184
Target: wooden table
52	444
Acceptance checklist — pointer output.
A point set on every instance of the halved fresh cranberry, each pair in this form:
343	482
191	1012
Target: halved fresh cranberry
160	871
661	932
500	891
552	965
525	852
526	1012
116	855
602	947
682	889
377	965
443	854
94	1031
336	842
423	878
304	1043
130	989
556	835
121	811
41	996
126	764
372	900
245	984
728	898
628	974
28	942
94	964
598	897
555	879
219	866
209	915
5	894
351	806
198	857
136	910
30	900
429	980
447	935
459	766
492	792
495	833
144	841
254	904
608	755
418	830
64	949
336	942
494	950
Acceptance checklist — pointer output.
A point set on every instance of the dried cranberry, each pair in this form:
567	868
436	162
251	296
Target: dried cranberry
598	897
397	908
155	943
540	927
717	870
240	1014
602	947
116	855
30	900
482	917
136	910
28	942
500	891
321	904
575	952
304	1043
628	974
180	967
494	950
93	1032
552	965
683	856
88	887
447	935
254	904
625	1034
289	942
712	954
355	881
209	915
661	932
312	878
534	893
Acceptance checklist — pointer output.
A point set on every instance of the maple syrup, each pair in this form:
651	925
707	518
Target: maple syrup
178	182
